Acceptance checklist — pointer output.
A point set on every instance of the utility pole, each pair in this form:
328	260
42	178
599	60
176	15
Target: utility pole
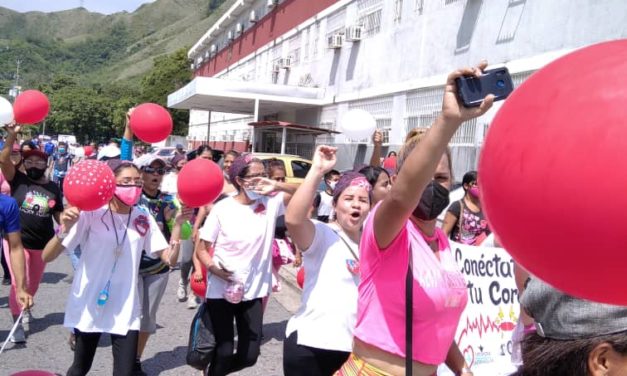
15	91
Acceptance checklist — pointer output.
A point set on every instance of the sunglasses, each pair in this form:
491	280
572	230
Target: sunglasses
150	170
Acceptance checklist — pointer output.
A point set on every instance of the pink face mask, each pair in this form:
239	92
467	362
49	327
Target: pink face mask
474	192
128	194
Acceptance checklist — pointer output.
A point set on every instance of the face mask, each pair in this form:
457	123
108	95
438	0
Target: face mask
252	194
474	192
332	184
128	194
35	173
434	199
61	150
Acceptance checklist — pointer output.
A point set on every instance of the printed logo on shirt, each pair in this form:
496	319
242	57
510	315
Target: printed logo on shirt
141	224
37	204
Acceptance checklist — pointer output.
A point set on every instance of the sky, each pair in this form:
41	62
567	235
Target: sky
100	6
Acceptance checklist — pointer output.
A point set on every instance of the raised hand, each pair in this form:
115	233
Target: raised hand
324	158
377	137
452	106
13	128
69	217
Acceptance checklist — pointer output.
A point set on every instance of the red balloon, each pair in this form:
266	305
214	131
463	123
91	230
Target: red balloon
199	288
300	277
550	173
151	122
31	107
89	185
200	182
34	372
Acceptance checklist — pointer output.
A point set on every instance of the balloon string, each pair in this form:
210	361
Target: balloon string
13	329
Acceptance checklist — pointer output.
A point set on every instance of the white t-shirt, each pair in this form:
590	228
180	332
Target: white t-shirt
326	205
94	234
242	238
328	311
168	184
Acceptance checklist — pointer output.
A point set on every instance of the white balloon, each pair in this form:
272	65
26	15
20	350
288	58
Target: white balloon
358	124
6	112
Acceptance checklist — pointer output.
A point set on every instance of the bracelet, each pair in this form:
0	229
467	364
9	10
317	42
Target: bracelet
175	242
60	234
465	370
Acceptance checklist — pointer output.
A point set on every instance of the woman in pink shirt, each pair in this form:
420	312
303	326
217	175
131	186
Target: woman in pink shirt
400	236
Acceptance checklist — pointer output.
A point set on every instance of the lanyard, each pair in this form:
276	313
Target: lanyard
103	296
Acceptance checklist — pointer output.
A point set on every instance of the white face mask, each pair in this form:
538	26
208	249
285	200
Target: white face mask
332	184
252	194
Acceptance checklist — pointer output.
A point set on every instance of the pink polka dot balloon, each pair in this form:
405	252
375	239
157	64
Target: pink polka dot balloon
89	185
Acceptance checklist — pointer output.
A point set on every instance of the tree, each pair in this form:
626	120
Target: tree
169	73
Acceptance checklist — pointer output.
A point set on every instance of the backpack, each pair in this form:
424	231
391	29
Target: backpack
202	343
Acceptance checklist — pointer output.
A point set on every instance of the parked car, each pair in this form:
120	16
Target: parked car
165	153
296	168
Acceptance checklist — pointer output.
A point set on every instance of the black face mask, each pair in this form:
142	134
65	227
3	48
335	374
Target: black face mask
433	201
35	173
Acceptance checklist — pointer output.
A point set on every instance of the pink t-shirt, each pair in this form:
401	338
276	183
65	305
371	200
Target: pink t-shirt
439	294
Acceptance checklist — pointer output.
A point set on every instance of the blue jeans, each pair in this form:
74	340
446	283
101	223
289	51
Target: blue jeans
75	256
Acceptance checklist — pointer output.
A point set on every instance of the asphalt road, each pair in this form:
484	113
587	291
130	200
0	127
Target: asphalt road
47	347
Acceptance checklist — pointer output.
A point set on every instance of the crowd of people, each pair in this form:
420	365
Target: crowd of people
382	292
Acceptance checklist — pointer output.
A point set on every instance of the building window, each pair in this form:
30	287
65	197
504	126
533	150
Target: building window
511	20
468	24
420	6
381	109
422	107
306	35
465	135
398	10
295	55
368	5
371	22
294	50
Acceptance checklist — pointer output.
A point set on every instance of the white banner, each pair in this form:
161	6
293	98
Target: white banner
484	334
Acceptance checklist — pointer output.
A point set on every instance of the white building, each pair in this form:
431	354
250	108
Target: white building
296	66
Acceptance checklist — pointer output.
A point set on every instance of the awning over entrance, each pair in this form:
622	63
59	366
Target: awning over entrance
244	97
284	125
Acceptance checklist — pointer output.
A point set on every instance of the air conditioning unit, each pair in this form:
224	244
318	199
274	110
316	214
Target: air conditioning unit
213	49
354	33
273	3
286	62
229	35
253	17
335	41
239	28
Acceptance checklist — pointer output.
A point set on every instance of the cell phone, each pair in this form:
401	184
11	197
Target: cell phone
471	90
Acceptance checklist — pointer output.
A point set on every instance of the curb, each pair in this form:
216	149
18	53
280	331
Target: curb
289	296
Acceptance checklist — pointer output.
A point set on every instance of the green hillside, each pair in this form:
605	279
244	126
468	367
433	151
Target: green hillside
94	67
96	48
